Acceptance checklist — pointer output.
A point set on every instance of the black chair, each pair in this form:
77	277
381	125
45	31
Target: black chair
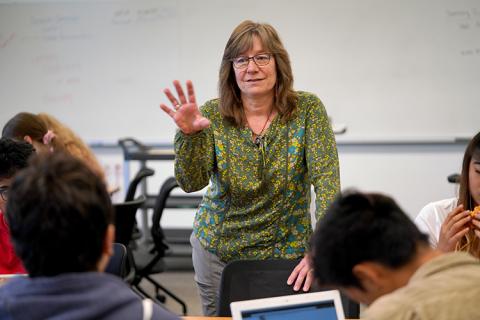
129	144
454	178
143	173
255	279
132	187
125	214
150	260
118	261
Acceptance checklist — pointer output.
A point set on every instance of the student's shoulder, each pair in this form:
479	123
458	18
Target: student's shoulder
160	313
393	306
439	207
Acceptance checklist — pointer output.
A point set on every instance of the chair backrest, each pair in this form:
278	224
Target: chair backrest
128	144
125	219
132	187
453	178
158	235
255	279
118	261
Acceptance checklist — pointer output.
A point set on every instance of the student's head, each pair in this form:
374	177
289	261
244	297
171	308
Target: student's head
362	240
14	156
29	127
245	37
469	194
60	216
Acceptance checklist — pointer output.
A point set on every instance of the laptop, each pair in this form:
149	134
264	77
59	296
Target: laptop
324	305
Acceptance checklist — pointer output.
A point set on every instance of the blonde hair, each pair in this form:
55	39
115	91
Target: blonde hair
241	39
67	140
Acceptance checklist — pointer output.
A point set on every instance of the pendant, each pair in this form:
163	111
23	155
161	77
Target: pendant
258	140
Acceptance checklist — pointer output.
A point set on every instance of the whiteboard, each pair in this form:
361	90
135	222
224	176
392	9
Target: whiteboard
386	69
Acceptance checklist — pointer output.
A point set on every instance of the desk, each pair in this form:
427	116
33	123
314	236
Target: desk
216	318
206	318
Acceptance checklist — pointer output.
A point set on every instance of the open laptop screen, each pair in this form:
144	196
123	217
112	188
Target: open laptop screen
325	305
310	311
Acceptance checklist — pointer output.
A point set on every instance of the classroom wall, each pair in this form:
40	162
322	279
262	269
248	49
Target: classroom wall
386	69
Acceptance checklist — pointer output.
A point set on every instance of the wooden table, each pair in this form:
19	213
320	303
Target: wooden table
206	318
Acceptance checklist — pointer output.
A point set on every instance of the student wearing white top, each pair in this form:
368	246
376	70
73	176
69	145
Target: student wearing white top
448	222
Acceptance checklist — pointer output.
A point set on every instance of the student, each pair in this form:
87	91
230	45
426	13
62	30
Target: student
259	148
29	127
367	247
60	218
13	157
46	133
448	222
71	143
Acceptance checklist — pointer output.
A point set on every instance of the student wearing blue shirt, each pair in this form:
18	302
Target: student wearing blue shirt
60	218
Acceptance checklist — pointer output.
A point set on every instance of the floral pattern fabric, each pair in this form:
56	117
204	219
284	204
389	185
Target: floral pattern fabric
257	204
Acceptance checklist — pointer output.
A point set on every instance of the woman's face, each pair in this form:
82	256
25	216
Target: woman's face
255	81
474	179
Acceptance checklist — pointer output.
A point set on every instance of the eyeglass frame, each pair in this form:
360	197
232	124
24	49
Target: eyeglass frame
4	193
270	55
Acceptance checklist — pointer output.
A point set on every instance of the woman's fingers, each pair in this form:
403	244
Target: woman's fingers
171	97
456	237
301	276
181	94
460	223
203	123
457	214
167	110
191	92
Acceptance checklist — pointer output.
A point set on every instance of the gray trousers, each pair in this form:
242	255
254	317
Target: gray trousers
208	273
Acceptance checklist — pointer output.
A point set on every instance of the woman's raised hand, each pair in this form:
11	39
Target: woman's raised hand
185	112
453	229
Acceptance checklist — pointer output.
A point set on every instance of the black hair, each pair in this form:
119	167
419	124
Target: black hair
58	212
14	156
358	228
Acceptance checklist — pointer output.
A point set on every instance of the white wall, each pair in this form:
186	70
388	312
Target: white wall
385	68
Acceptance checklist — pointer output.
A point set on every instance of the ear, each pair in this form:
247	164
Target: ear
28	139
372	276
107	248
108	240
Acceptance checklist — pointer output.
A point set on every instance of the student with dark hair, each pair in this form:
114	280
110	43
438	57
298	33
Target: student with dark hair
367	247
60	218
13	157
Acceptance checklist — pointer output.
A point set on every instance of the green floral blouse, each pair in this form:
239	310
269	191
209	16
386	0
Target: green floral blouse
257	204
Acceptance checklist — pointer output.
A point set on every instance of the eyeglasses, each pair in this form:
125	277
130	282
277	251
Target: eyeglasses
260	60
4	193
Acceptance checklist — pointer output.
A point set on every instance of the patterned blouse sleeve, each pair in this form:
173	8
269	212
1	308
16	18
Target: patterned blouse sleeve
194	157
321	155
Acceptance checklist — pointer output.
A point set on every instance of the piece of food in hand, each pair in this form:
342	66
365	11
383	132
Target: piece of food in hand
475	211
473	214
